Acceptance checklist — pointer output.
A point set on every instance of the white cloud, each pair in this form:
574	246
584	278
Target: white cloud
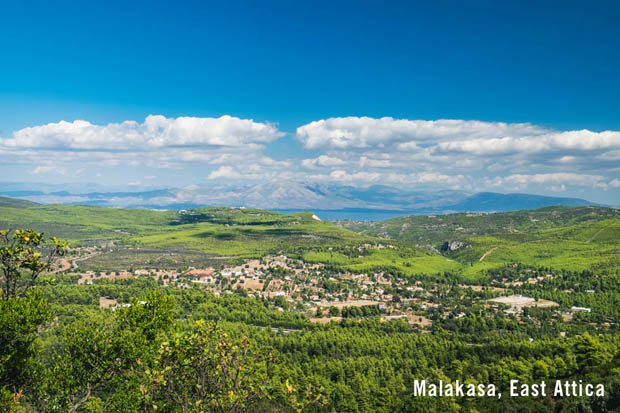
438	178
373	163
359	177
438	154
610	156
615	183
583	140
225	172
426	179
558	181
155	132
267	161
468	154
555	178
449	135
365	132
494	146
48	169
567	159
459	144
323	160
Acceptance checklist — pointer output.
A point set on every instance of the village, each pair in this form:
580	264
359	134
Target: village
326	295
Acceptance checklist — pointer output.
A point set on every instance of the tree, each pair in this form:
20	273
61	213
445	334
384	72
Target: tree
22	261
333	311
22	311
204	371
588	351
20	319
106	352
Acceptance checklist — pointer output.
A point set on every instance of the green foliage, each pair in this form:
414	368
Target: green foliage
103	352
148	354
201	370
21	260
589	352
333	311
20	318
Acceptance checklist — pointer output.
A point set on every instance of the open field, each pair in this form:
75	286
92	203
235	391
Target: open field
521	301
151	258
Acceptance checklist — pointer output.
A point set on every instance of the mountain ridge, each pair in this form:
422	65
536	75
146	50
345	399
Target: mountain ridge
290	195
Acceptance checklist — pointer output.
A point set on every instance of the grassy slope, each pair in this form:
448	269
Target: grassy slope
15	203
81	223
438	229
592	245
237	233
574	238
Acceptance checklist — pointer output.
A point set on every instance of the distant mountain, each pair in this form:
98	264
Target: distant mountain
290	195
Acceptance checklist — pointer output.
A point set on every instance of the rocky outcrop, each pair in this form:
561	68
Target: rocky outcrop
450	246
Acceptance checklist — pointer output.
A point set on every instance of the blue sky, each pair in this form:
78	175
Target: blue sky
332	69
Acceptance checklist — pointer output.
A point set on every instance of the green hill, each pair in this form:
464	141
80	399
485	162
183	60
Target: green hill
15	203
574	238
437	229
209	229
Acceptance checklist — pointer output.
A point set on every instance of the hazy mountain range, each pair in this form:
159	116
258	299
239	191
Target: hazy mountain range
286	195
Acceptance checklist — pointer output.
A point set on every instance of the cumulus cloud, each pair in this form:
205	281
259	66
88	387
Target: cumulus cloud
431	154
374	163
323	161
489	154
364	132
157	142
580	141
455	137
225	172
155	132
